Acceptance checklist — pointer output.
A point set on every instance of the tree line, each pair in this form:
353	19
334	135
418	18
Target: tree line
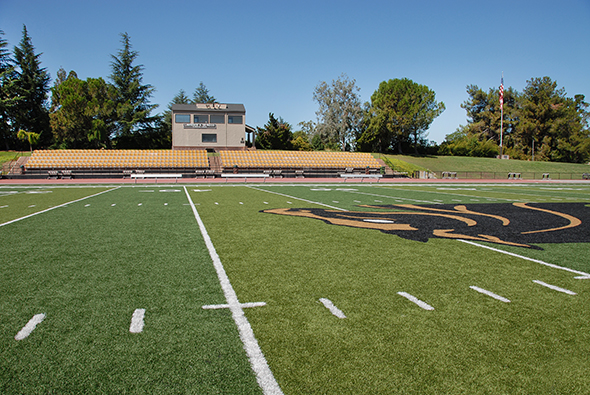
541	122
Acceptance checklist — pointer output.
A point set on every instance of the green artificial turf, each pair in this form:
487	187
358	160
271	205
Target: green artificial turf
90	264
88	268
470	343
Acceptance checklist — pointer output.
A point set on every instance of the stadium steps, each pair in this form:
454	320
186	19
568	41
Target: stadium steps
215	164
388	170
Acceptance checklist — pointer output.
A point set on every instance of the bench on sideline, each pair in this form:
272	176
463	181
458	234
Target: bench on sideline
176	176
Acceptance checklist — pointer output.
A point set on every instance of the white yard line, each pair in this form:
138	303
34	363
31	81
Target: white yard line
490	294
226	306
52	208
31	325
264	375
137	321
295	197
415	300
555	288
394	197
583	275
333	309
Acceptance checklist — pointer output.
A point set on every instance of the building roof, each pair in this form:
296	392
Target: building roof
209	107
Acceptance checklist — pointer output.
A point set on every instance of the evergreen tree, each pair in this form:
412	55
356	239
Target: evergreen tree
276	134
31	86
180	98
7	94
201	95
133	107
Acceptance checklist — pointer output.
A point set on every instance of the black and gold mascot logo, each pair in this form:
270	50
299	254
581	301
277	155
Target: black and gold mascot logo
516	224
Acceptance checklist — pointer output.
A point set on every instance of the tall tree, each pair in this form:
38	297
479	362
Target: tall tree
276	134
83	112
340	112
201	95
180	98
400	112
31	86
133	106
8	98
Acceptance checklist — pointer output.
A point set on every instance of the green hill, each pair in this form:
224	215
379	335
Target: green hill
491	167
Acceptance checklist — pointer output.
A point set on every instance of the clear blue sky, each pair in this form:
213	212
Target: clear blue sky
270	55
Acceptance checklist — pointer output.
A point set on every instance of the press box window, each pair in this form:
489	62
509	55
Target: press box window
201	118
209	137
182	118
217	118
234	119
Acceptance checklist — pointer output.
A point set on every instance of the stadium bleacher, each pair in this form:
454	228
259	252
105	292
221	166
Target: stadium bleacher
115	163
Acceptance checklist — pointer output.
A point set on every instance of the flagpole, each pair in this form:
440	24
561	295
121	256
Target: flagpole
501	116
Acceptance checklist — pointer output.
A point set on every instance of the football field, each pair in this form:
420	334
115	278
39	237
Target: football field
299	289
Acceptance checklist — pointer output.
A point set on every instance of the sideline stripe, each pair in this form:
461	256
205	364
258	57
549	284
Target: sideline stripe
583	275
491	294
333	309
555	288
295	197
61	205
413	299
137	321
264	375
31	325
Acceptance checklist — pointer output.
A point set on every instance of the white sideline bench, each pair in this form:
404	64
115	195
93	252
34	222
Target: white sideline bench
245	176
156	176
361	175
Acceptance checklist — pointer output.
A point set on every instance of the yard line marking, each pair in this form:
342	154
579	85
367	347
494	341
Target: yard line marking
264	375
32	205
265	202
333	309
140	204
491	294
87	205
226	306
583	275
413	299
241	202
113	205
52	208
31	325
295	197
137	321
555	288
3	206
165	204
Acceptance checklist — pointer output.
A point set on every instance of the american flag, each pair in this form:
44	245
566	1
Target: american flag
502	93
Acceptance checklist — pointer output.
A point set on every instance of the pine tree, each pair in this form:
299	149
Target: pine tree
7	90
133	107
31	89
202	95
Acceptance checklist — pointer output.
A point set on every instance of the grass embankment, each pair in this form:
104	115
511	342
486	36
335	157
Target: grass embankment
461	163
5	156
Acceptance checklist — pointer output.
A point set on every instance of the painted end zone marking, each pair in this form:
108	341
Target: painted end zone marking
555	288
264	376
31	325
137	321
491	294
413	299
583	275
333	309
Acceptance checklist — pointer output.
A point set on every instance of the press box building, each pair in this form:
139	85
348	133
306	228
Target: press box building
209	125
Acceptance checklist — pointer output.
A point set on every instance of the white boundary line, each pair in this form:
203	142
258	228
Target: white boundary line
30	327
414	299
137	321
489	293
583	275
294	197
264	375
61	205
333	309
555	288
